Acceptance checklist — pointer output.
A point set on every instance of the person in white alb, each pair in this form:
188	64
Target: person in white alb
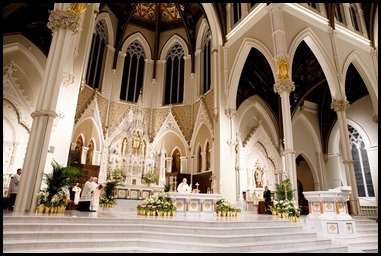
77	190
95	195
86	196
184	187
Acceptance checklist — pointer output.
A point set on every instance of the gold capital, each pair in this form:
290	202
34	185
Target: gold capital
77	8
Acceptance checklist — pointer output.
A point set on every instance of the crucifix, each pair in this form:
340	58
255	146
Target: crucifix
197	186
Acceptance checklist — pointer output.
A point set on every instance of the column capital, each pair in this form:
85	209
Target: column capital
64	20
284	86
339	105
230	113
67	79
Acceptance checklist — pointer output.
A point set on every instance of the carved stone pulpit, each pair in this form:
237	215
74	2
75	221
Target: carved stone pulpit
328	212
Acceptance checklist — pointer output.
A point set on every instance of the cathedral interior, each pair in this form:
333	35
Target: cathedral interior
195	90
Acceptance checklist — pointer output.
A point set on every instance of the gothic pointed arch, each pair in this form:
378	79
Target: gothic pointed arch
238	66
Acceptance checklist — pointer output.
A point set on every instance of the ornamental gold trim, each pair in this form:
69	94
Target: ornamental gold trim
77	8
282	66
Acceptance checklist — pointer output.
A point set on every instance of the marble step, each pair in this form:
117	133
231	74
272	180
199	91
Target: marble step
311	249
170	229
143	234
220	222
139	249
366	240
78	245
367	231
220	237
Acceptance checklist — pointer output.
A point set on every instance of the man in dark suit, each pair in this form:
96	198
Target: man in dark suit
267	197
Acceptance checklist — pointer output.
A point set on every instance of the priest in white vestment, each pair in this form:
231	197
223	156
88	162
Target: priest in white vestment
95	195
86	196
184	187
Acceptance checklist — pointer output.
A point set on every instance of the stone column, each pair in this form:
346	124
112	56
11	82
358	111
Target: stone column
168	161
104	162
183	164
284	87
84	155
203	161
339	106
64	21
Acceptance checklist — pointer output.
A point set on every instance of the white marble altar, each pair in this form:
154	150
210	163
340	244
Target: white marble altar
194	203
328	212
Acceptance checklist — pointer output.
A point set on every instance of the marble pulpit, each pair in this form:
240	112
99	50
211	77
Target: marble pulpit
328	212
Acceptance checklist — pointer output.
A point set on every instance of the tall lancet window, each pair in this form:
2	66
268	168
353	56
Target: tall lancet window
174	76
199	160
206	51
361	164
95	67
339	13
133	72
237	12
355	18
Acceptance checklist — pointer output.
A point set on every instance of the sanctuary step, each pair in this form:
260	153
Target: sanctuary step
124	231
367	236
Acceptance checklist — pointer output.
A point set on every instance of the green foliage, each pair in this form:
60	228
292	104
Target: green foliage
283	188
167	188
59	178
108	192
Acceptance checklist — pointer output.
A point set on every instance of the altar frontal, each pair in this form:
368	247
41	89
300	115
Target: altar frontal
194	203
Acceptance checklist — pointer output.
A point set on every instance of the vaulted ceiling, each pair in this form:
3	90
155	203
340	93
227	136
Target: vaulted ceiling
30	20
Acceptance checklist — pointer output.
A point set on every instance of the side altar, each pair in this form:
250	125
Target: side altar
194	203
328	212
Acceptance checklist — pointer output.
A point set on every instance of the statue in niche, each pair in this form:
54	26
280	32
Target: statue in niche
258	175
136	143
124	147
282	69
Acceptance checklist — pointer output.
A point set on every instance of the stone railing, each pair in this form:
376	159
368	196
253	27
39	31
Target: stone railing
371	211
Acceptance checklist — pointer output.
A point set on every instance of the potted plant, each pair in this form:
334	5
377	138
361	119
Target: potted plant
57	183
107	198
159	204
